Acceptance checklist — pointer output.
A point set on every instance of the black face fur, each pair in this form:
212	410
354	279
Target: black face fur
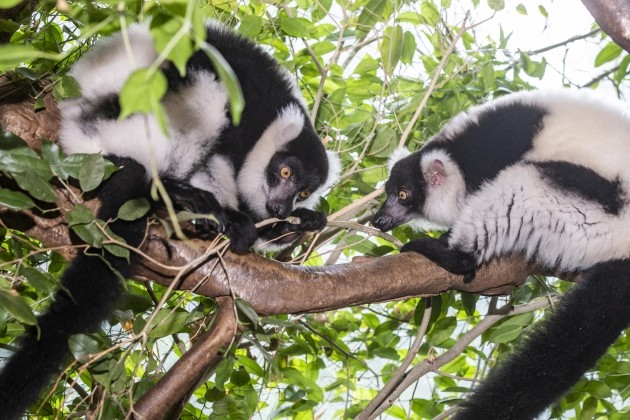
406	194
293	175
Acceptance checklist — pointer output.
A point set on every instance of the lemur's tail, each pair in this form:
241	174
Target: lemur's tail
557	353
89	290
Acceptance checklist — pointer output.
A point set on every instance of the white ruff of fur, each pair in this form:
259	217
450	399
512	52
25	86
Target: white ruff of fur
218	178
251	181
557	228
443	203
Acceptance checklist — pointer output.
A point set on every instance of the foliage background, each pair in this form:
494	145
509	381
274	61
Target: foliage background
365	68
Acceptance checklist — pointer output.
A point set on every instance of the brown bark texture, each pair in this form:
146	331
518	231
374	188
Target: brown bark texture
613	16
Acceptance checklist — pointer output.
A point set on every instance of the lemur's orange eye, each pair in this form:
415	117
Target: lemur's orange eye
304	194
285	172
403	195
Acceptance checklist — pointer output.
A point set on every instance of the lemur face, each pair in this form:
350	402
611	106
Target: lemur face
406	194
290	183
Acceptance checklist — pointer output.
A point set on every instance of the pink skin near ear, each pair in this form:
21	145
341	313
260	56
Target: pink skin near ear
436	173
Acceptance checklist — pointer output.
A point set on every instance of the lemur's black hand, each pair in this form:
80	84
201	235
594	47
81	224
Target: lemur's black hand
309	220
438	251
241	230
198	201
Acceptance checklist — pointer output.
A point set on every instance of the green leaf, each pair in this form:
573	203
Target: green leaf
409	48
597	389
168	321
24	161
521	9
229	80
79	215
223	372
13	303
392	48
90	234
12	55
41	281
26	72
7	4
589	408
142	92
371	13
251	26
496	5
134	209
15	200
246	312
36	187
366	65
487	76
384	143
294	27
91	172
607	54
166	29
83	346
430	13
442	330
114	248
505	333
469	302
67	87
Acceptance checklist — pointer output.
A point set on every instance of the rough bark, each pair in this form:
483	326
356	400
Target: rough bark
169	396
613	16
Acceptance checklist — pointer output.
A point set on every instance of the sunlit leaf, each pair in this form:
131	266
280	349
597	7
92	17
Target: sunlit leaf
608	53
251	26
14	304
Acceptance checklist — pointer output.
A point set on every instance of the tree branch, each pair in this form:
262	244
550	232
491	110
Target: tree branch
169	396
613	16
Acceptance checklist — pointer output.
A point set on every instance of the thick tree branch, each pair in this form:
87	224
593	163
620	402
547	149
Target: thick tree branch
276	288
613	16
169	396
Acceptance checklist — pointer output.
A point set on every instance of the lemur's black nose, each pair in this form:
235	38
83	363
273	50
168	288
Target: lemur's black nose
278	209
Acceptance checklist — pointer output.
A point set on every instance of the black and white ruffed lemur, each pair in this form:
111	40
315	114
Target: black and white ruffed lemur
272	164
545	175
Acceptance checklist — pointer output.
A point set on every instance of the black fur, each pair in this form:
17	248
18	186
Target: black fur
89	287
264	93
76	308
584	182
500	138
554	356
438	251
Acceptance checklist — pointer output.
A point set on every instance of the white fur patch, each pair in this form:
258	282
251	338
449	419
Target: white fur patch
218	178
520	212
584	130
251	181
138	137
443	203
105	67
